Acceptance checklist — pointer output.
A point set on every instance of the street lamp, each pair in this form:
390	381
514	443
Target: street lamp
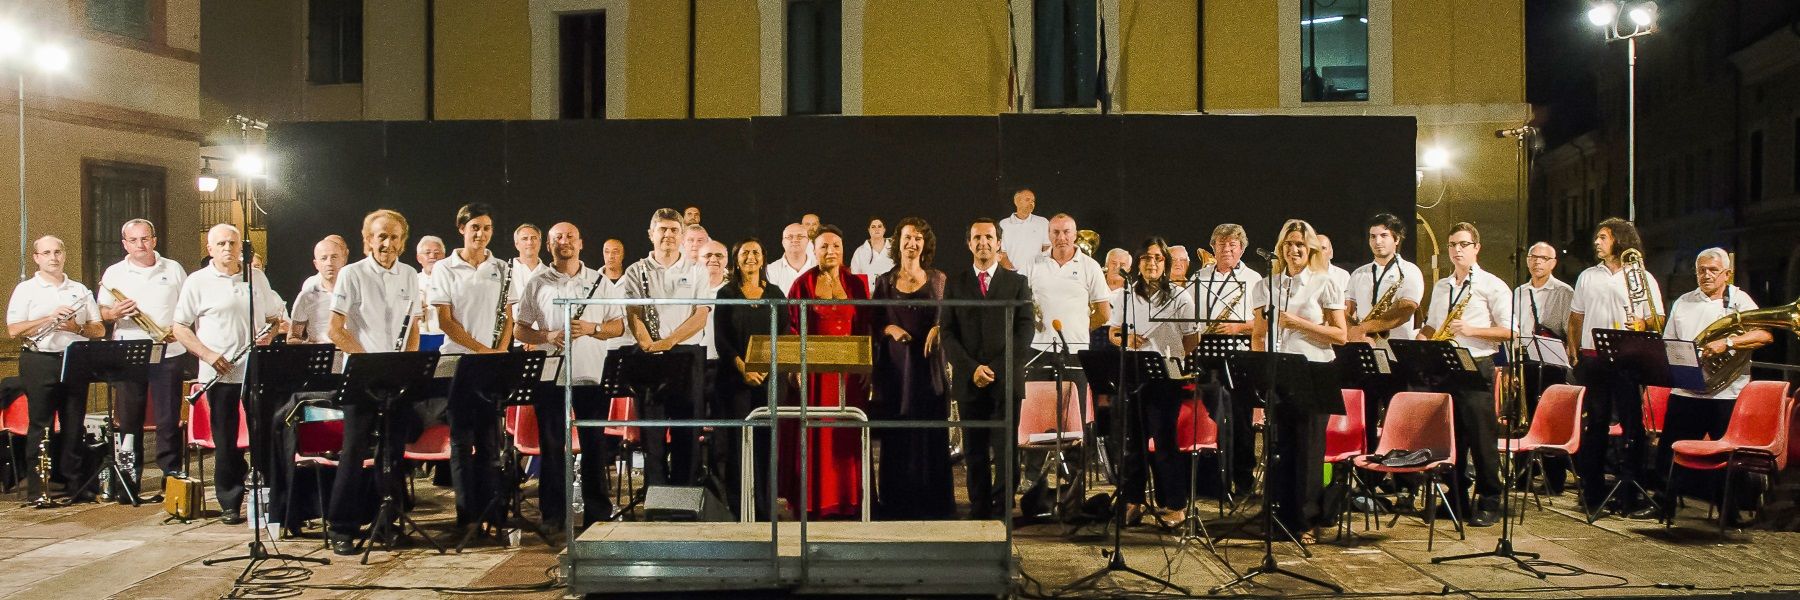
1640	20
46	57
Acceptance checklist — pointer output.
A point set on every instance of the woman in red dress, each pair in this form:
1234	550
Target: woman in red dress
835	456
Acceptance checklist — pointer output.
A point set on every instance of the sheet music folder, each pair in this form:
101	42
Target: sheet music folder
1656	361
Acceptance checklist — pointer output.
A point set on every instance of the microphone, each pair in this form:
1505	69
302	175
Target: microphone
1267	255
1516	132
1057	325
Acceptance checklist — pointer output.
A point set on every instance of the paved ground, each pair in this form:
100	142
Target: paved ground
98	551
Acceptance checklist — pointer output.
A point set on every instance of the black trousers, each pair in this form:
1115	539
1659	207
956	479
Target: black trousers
229	465
1296	475
159	398
51	401
983	448
1691	418
1158	408
553	496
1237	435
474	455
354	495
676	460
1611	395
1477	454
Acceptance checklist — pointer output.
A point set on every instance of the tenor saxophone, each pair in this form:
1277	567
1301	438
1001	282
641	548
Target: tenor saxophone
1224	313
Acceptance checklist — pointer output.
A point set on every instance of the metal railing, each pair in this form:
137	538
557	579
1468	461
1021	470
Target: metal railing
775	412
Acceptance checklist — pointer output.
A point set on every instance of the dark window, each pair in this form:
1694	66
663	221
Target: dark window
582	60
815	57
334	41
1796	156
1334	50
116	193
129	18
1065	53
1756	166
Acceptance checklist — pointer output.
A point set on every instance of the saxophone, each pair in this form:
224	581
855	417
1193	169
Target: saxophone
1442	333
1225	312
1382	305
1723	368
1637	289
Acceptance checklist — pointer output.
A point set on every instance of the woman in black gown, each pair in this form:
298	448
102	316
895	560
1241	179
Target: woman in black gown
914	481
736	390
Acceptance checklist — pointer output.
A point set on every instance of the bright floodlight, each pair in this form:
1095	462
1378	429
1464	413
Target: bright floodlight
249	165
1643	15
1603	14
1436	158
52	58
11	39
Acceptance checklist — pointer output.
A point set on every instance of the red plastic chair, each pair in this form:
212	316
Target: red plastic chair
1420	421
1037	416
1197	432
1755	441
1344	434
1555	433
622	409
1656	411
15	423
316	446
199	436
432	445
525	433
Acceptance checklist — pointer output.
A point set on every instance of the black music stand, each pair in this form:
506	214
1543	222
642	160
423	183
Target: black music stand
1643	356
388	382
1123	373
1213	355
497	382
642	376
296	368
108	361
1289	382
1436	363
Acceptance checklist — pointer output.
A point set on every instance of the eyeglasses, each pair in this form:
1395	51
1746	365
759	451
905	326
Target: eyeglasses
57	252
1536	258
1460	245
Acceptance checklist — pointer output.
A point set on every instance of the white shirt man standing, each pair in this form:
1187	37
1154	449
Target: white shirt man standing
669	329
1544	301
49	311
1069	288
1602	301
796	257
1388	272
1023	236
312	306
147	283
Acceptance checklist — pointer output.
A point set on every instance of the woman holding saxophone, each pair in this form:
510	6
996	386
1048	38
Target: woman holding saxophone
1472	308
50	311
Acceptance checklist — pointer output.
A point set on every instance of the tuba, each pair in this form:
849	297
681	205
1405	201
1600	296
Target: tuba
1723	368
1637	289
1087	241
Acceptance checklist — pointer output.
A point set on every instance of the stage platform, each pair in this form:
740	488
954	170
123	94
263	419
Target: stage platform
889	557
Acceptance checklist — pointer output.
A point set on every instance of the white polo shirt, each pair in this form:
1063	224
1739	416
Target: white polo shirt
39	297
376	302
473	294
706	335
155	288
647	279
1550	303
1225	292
1154	319
1307	295
312	307
1023	240
1064	292
782	275
1490	305
1368	283
216	305
587	355
1601	297
1690	315
871	262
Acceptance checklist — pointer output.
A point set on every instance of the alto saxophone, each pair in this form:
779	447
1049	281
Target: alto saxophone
1384	304
1224	313
1442	333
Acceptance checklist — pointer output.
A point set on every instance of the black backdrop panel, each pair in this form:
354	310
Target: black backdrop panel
1185	174
1124	176
850	170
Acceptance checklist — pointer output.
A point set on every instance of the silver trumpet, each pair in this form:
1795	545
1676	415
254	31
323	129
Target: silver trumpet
34	343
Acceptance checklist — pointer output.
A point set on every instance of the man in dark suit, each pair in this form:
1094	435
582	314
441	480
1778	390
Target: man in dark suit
975	339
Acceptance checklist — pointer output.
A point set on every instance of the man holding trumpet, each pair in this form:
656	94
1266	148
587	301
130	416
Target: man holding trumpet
137	296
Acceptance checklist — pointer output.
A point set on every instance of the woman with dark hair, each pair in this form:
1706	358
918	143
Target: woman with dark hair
914	481
836	452
737	391
1161	320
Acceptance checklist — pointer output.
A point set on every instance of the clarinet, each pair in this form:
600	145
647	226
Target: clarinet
650	321
500	311
235	357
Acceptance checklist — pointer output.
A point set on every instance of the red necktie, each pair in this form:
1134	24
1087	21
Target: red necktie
983	276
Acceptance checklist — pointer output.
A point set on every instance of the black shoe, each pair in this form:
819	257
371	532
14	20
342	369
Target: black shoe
231	517
341	545
1485	517
1645	513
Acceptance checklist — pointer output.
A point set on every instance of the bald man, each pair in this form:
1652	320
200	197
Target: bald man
796	257
49	311
312	306
213	319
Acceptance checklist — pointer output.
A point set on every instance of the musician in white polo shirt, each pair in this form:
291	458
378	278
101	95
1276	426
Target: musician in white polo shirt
312	306
1024	236
213	319
1696	414
1069	287
473	292
669	329
1603	301
595	330
376	301
1222	292
148	284
1388	276
48	312
1482	325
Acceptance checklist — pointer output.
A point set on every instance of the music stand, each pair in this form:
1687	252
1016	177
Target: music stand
1313	391
1214	355
387	382
1138	368
642	376
495	382
108	361
1437	363
296	368
1644	356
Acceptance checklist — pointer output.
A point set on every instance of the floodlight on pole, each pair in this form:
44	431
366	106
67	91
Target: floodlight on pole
1642	17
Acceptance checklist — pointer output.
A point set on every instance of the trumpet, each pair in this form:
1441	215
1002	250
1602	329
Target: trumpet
1637	289
143	321
34	343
